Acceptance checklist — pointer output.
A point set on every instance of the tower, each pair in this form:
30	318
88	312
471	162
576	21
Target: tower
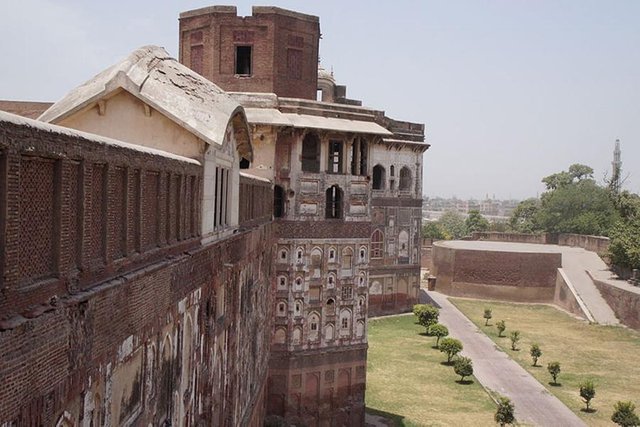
616	169
274	50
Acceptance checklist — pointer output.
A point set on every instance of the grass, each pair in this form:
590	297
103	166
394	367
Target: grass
407	383
608	355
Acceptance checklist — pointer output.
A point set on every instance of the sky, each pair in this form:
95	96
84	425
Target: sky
510	90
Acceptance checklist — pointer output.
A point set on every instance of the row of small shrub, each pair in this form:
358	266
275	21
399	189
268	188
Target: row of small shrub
624	412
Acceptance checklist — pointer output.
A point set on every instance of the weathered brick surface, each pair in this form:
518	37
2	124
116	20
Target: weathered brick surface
518	276
284	49
144	283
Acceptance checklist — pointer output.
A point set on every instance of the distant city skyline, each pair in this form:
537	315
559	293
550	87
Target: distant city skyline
510	92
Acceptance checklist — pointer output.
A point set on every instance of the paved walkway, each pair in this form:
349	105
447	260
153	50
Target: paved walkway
496	371
575	263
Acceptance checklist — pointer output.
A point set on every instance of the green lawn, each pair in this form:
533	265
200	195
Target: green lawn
608	355
405	379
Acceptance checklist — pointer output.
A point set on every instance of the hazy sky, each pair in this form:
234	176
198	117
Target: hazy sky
510	90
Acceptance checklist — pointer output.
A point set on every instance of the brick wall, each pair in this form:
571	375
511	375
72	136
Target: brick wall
284	48
103	274
517	276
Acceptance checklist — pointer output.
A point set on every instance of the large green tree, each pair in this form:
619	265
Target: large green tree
476	222
453	225
523	217
575	203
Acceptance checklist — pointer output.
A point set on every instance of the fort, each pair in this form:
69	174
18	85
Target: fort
201	242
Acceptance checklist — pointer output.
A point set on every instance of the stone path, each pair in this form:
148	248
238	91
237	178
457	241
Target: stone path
575	263
496	371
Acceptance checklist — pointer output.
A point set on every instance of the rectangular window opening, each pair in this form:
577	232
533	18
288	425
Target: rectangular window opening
243	60
335	156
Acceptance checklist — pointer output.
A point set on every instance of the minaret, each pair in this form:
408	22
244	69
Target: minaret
616	165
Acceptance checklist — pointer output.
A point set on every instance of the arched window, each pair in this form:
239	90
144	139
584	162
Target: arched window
405	179
300	255
283	255
362	254
333	202
298	283
347	260
360	329
297	308
314	326
362	279
280	336
379	177
281	310
345	321
377	244
331	280
403	244
282	283
297	335
328	332
278	201
392	171
332	254
244	163
311	153
316	262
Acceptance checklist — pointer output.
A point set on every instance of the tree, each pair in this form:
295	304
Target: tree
587	392
487	316
582	207
433	230
463	367
428	316
624	246
515	337
554	370
453	225
439	331
624	414
501	325
476	222
451	347
523	217
505	412
535	353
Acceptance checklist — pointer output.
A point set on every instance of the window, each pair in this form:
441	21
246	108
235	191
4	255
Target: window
363	254
282	309
377	244
221	198
405	179
243	60
347	260
316	262
278	201
311	153
379	177
332	255
298	283
314	320
335	157
359	154
331	280
244	163
299	255
403	243
344	323
333	202
297	310
392	171
347	293
283	255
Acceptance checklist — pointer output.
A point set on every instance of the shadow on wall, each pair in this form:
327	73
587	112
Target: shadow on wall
377	418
